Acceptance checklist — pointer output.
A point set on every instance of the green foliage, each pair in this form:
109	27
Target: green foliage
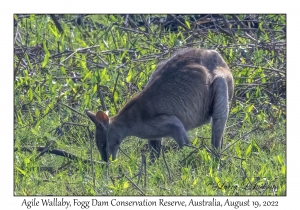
58	75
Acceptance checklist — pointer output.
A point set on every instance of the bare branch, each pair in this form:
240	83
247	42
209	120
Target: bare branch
57	24
179	22
58	152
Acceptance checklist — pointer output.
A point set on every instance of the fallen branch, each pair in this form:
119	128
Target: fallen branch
58	152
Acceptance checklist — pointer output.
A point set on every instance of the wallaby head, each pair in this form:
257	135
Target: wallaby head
190	89
107	139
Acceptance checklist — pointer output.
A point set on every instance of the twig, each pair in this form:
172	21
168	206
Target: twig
105	63
250	37
107	174
146	24
58	152
72	78
140	174
46	149
107	156
57	24
78	50
201	137
224	31
168	169
206	148
61	54
105	52
134	31
211	152
145	169
238	140
125	23
16	70
74	110
137	187
68	56
226	23
179	22
235	124
100	94
91	148
115	91
131	22
250	66
194	151
235	17
75	124
18	35
64	165
163	188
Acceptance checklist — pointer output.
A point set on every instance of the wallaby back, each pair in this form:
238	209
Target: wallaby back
184	92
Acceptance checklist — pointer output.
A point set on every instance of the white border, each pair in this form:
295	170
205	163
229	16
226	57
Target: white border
8	201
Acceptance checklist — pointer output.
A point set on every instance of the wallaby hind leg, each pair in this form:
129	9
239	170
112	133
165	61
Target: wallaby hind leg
155	147
219	112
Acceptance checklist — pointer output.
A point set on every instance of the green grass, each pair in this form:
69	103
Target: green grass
254	165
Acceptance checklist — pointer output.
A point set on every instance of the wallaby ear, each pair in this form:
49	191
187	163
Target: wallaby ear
102	118
91	115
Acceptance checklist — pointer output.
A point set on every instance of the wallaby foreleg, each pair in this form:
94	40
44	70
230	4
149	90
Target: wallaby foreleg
165	125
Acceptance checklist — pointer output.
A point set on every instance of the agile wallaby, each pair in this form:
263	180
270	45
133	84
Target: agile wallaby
184	92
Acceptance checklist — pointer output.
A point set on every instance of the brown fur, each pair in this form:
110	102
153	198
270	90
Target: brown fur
183	93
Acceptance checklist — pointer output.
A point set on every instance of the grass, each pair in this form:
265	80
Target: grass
254	165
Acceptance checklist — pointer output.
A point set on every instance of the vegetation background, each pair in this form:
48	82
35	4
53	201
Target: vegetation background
64	64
